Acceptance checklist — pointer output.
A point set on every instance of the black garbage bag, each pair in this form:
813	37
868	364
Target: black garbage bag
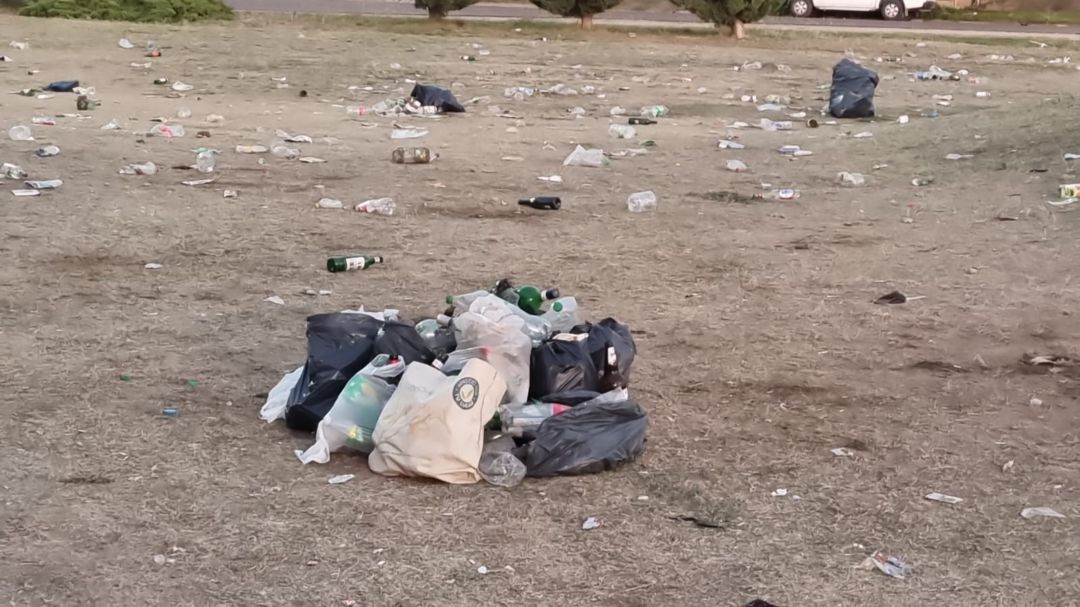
339	345
559	365
612	349
570	398
586	439
440	98
400	339
853	89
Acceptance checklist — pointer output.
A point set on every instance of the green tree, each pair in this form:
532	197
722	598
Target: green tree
732	13
582	9
438	9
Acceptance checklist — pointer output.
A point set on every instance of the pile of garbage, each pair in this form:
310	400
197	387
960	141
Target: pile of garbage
504	384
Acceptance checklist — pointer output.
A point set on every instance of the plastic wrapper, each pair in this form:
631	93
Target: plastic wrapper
489	323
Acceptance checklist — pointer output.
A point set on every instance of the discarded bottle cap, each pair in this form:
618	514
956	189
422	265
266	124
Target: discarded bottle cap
170	412
812	123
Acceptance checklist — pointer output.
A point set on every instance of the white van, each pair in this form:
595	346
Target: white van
891	10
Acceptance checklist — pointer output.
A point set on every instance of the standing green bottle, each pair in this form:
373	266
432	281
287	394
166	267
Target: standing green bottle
346	263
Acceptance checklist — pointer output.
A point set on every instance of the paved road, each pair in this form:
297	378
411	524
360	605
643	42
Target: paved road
527	11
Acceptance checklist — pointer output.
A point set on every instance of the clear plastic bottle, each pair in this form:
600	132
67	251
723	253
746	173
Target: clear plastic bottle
639	202
622	131
205	162
379	206
284	151
20	133
498	465
523	420
563	314
461	303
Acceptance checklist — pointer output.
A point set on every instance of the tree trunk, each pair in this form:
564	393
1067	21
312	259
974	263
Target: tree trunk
586	22
436	15
738	29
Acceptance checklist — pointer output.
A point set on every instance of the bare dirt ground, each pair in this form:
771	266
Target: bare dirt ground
759	346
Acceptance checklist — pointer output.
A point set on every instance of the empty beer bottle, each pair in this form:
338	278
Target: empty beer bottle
542	202
344	263
527	297
640	120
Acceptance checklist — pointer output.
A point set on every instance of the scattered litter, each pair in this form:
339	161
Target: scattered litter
47	151
852	179
958	156
19	46
770	125
153	266
48	121
50	184
903	119
655	111
639	202
20	133
482	570
551	178
727	144
285	152
863	135
167	131
794	150
770	107
198	182
378	206
145	168
941	497
340	479
617	111
311	160
111	125
935	73
231	194
252	149
586	158
329	203
25	193
159	559
1041	511
274	299
1008	466
408	133
894	297
736	166
781	492
842	452
592	523
1035	401
125	44
1071	156
889	565
622	131
180	87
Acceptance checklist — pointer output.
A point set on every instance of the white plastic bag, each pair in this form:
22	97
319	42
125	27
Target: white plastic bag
278	398
433	425
352	420
581	157
489	323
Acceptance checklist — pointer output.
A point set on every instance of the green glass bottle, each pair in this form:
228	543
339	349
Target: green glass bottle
345	263
531	299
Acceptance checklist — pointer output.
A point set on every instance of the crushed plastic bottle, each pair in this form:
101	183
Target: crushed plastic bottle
12	171
582	157
20	132
655	111
736	166
622	131
498	465
284	151
205	161
639	202
378	206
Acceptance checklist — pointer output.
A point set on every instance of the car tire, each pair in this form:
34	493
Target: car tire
802	8
893	10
